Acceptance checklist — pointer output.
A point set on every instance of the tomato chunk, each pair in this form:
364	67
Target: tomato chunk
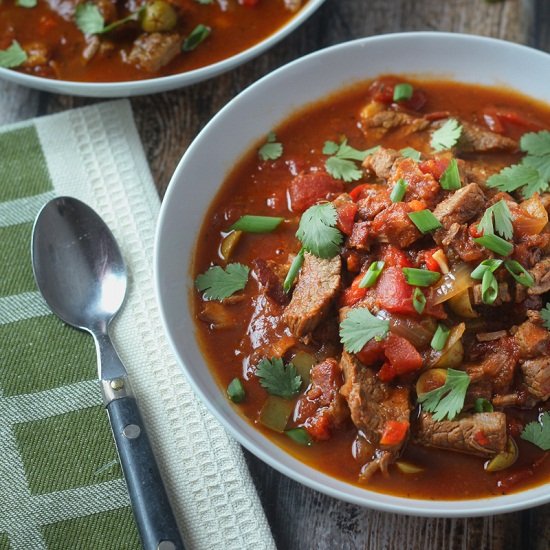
345	212
353	293
435	167
394	433
307	189
372	352
402	355
393	293
394	257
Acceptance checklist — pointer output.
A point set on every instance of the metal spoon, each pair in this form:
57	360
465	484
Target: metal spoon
81	274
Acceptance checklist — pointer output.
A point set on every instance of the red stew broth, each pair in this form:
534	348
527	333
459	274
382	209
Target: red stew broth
256	187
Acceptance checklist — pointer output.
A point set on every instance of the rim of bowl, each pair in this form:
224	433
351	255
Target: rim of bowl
239	428
163	83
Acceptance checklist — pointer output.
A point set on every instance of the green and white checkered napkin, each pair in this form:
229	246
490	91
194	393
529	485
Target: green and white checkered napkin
61	486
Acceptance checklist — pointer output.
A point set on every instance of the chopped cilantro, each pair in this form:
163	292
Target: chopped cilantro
271	149
13	56
359	327
545	314
538	433
317	231
198	34
341	164
502	220
410	153
448	400
447	135
532	174
26	3
217	283
279	379
89	20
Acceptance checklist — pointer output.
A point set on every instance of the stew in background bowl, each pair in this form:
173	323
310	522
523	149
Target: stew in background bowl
325	73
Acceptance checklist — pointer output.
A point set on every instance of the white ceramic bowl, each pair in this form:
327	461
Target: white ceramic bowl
163	83
242	123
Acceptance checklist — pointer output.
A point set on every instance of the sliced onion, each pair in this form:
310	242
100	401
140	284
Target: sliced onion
462	305
408	467
530	218
430	380
452	354
229	243
505	459
418	332
490	336
453	283
441	259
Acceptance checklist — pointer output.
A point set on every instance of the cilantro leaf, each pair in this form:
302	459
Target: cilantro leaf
538	433
502	220
545	314
88	18
536	143
278	378
448	400
447	135
271	149
317	231
13	56
217	283
410	153
341	165
360	326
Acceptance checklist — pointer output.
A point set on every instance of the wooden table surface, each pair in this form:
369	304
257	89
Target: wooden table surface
300	517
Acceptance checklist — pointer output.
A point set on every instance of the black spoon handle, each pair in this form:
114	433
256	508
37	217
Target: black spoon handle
154	517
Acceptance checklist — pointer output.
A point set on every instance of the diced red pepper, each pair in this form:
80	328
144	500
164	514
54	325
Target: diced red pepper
394	433
394	257
474	231
357	191
372	352
345	212
402	355
435	167
497	119
428	259
481	438
393	293
416	205
353	293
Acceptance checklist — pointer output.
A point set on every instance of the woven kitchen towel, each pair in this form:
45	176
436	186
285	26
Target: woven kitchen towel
60	482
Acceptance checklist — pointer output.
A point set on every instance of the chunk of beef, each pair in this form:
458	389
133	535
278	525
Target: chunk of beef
317	287
420	186
381	162
373	404
394	226
378	119
307	189
541	274
266	273
476	139
498	365
152	51
322	408
372	201
532	340
359	238
536	375
460	207
480	434
503	295
459	243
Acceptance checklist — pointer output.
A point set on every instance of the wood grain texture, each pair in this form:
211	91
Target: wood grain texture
301	518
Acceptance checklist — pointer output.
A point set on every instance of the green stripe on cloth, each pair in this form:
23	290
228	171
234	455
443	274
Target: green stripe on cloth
23	166
113	530
61	485
41	353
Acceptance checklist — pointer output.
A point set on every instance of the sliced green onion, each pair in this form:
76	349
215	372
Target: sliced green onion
424	220
419	301
450	179
420	277
486	265
519	273
295	266
496	244
411	153
398	191
198	34
300	435
372	274
402	92
256	224
482	405
440	337
235	391
489	288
